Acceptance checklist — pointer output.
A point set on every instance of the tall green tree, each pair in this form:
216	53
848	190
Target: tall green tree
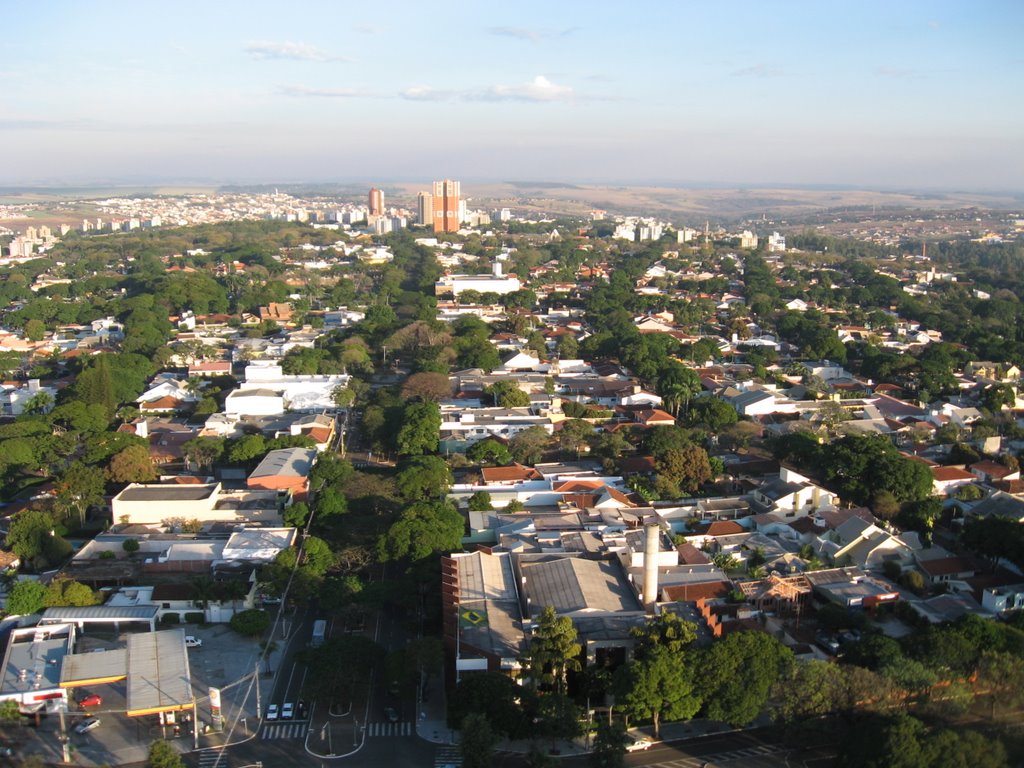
659	686
738	674
420	431
477	741
424	528
132	465
163	755
25	598
79	488
552	651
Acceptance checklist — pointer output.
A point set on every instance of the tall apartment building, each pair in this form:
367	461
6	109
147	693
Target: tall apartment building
425	209
446	206
376	202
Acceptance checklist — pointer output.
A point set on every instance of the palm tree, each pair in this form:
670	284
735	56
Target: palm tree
204	589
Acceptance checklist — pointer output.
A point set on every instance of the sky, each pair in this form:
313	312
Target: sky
898	94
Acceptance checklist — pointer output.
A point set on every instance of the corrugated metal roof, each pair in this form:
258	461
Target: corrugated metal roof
100	612
286	462
92	668
158	672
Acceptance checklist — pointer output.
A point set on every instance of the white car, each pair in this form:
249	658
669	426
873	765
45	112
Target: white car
287	711
272	712
87	725
638	745
191	641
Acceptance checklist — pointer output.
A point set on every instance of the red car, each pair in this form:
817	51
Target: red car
92	700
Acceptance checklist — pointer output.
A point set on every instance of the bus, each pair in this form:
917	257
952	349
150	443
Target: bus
319	633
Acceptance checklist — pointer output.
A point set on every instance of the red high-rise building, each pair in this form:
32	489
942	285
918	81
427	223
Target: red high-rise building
376	202
446	206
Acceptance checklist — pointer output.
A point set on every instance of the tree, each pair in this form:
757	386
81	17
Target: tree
250	623
163	755
427	386
1003	674
247	448
297	514
666	630
65	592
32	538
609	746
677	385
886	743
79	488
494	696
25	598
477	741
712	414
507	394
739	672
682	471
95	386
552	651
329	503
317	557
421	428
963	748
863	465
527	447
10	712
424	528
132	465
423	477
660	685
480	502
203	451
574	435
920	515
488	451
810	689
343	397
609	446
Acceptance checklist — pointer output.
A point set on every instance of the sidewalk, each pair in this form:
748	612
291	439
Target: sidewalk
432	719
432	726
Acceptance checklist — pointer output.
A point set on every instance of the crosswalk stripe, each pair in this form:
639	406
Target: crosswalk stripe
376	729
284	731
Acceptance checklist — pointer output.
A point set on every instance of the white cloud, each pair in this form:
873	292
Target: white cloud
538	89
326	93
290	50
426	93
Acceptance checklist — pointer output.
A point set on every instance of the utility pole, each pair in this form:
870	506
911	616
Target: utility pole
259	707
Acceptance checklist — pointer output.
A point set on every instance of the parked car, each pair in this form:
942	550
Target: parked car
638	745
287	711
90	700
191	641
272	712
87	725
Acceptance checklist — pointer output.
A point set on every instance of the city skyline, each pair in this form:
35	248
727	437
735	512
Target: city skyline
916	95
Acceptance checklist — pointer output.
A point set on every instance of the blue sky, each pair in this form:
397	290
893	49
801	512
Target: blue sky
877	94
